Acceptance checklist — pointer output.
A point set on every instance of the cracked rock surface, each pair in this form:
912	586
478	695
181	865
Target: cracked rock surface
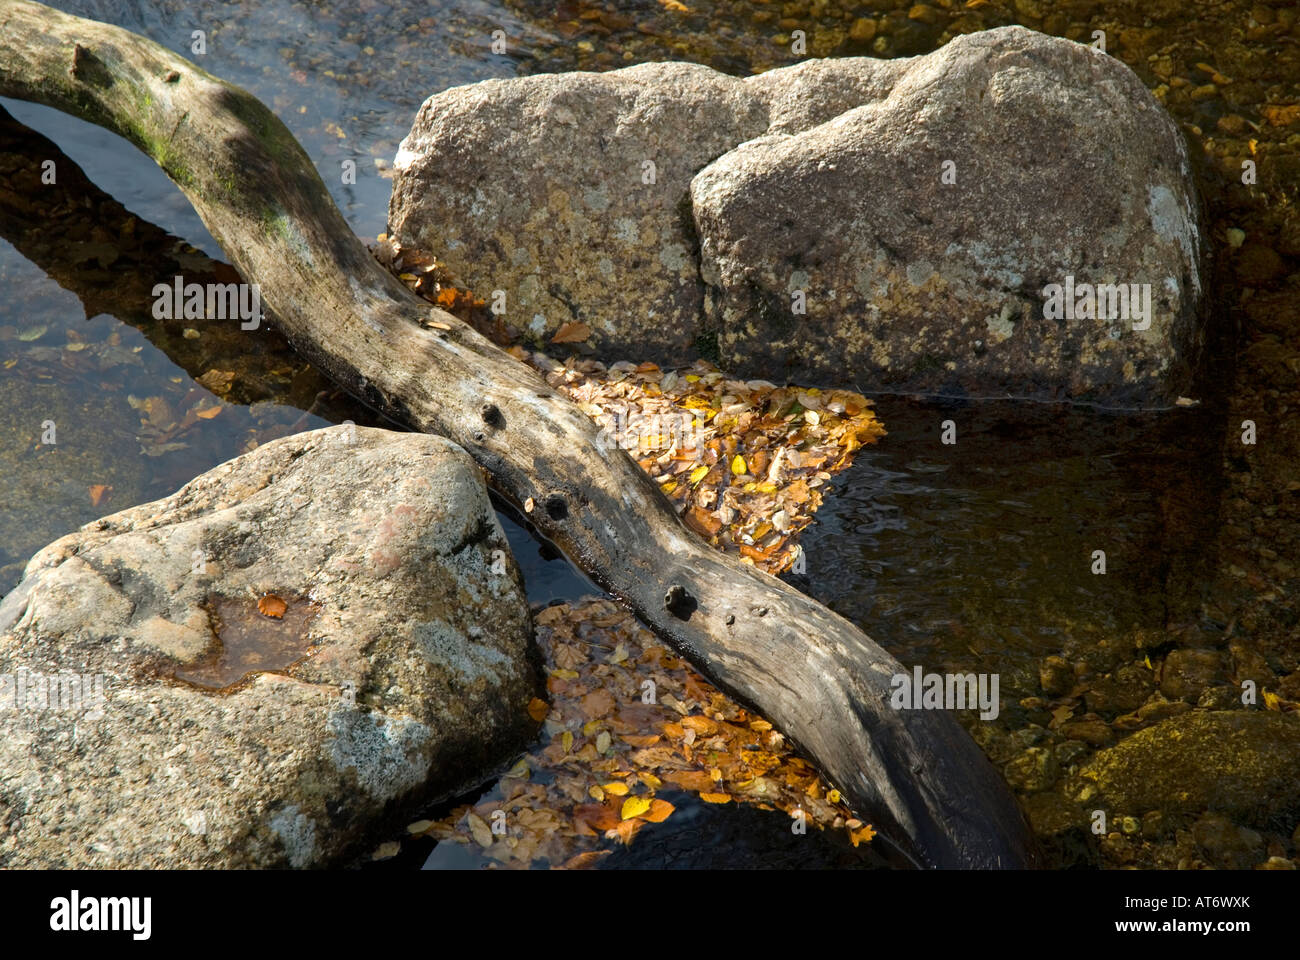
156	712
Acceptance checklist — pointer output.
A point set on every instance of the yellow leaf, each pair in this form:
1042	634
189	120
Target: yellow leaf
520	769
616	788
864	835
1272	701
596	793
635	806
566	741
208	413
479	828
715	798
699	473
833	796
738	465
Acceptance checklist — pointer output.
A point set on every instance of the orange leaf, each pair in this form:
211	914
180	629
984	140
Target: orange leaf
696	780
660	810
584	861
271	606
98	493
641	741
538	709
702	521
571	333
207	413
626	830
715	798
701	725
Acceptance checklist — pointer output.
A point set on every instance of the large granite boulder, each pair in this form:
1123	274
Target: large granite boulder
265	668
913	225
913	242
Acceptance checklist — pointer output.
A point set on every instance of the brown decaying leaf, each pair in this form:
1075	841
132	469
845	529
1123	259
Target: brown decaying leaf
99	492
571	333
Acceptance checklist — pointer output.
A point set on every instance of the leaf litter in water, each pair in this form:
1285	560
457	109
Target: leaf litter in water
606	754
745	464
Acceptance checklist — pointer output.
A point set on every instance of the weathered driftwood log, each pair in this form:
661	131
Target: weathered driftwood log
915	774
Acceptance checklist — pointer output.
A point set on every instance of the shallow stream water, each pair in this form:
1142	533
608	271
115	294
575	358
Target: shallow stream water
978	555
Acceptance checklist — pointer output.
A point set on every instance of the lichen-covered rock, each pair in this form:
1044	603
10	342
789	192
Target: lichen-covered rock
913	242
1244	762
265	667
570	194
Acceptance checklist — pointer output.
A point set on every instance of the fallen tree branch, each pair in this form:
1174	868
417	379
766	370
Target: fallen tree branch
915	774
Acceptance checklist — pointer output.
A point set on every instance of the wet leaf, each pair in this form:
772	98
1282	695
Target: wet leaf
617	789
715	798
660	810
634	807
571	333
481	831
538	709
99	492
271	606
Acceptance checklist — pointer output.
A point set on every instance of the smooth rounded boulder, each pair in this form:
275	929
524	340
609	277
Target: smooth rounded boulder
268	668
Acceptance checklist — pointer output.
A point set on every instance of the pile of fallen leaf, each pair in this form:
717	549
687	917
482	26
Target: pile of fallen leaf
743	461
628	721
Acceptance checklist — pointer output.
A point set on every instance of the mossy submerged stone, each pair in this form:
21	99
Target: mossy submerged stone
1244	762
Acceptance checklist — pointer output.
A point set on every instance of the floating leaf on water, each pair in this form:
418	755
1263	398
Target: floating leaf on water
634	807
616	788
271	606
520	770
33	333
419	826
660	810
715	798
481	831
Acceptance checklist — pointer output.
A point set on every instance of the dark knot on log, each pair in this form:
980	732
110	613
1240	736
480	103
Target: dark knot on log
678	602
491	415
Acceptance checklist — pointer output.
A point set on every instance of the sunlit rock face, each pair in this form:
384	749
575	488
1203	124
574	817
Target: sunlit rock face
268	666
1011	215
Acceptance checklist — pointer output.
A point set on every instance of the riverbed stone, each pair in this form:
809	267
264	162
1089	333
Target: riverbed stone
1186	673
909	243
1239	762
570	193
272	664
